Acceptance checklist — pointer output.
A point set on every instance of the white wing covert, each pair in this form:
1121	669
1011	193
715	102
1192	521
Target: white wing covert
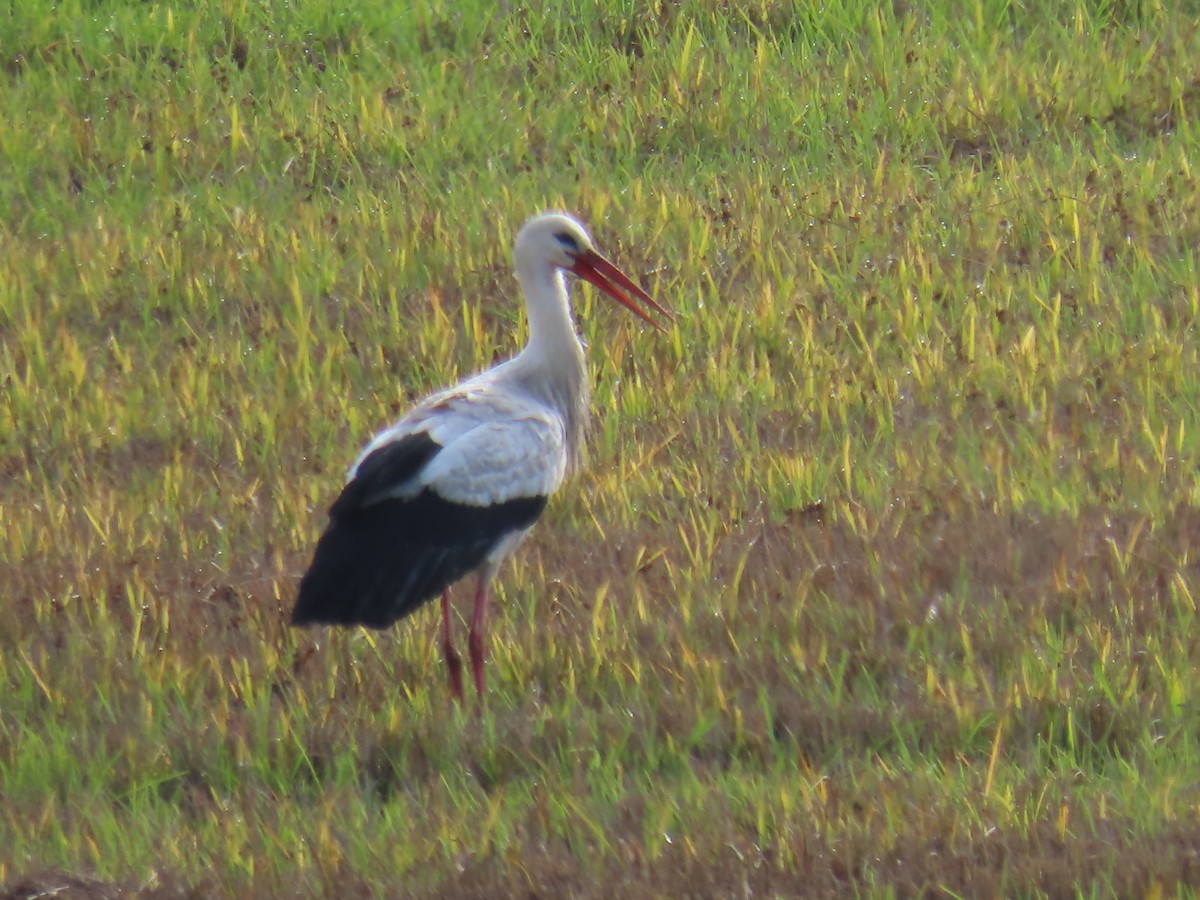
495	446
500	461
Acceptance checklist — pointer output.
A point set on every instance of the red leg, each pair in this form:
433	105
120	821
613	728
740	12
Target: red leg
476	640
453	660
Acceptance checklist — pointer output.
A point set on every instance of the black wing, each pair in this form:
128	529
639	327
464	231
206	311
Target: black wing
381	557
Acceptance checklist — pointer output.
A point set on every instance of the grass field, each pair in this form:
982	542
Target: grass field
881	579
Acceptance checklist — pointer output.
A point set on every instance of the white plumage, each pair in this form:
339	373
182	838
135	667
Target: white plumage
497	444
454	486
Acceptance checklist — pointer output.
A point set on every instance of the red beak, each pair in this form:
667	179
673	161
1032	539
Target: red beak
591	266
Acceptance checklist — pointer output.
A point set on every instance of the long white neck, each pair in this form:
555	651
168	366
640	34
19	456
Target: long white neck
548	307
552	366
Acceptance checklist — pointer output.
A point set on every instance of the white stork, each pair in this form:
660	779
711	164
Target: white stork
454	486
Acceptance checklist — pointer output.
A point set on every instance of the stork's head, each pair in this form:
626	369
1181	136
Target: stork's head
554	237
558	240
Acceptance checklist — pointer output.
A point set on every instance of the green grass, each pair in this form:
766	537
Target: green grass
882	576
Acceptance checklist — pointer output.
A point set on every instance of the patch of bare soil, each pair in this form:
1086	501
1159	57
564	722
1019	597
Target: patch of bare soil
64	886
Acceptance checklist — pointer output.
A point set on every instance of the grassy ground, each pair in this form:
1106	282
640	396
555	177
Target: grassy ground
881	580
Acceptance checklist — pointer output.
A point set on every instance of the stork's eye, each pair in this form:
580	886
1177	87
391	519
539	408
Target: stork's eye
567	240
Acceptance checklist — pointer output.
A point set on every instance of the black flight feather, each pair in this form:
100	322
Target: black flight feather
381	557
